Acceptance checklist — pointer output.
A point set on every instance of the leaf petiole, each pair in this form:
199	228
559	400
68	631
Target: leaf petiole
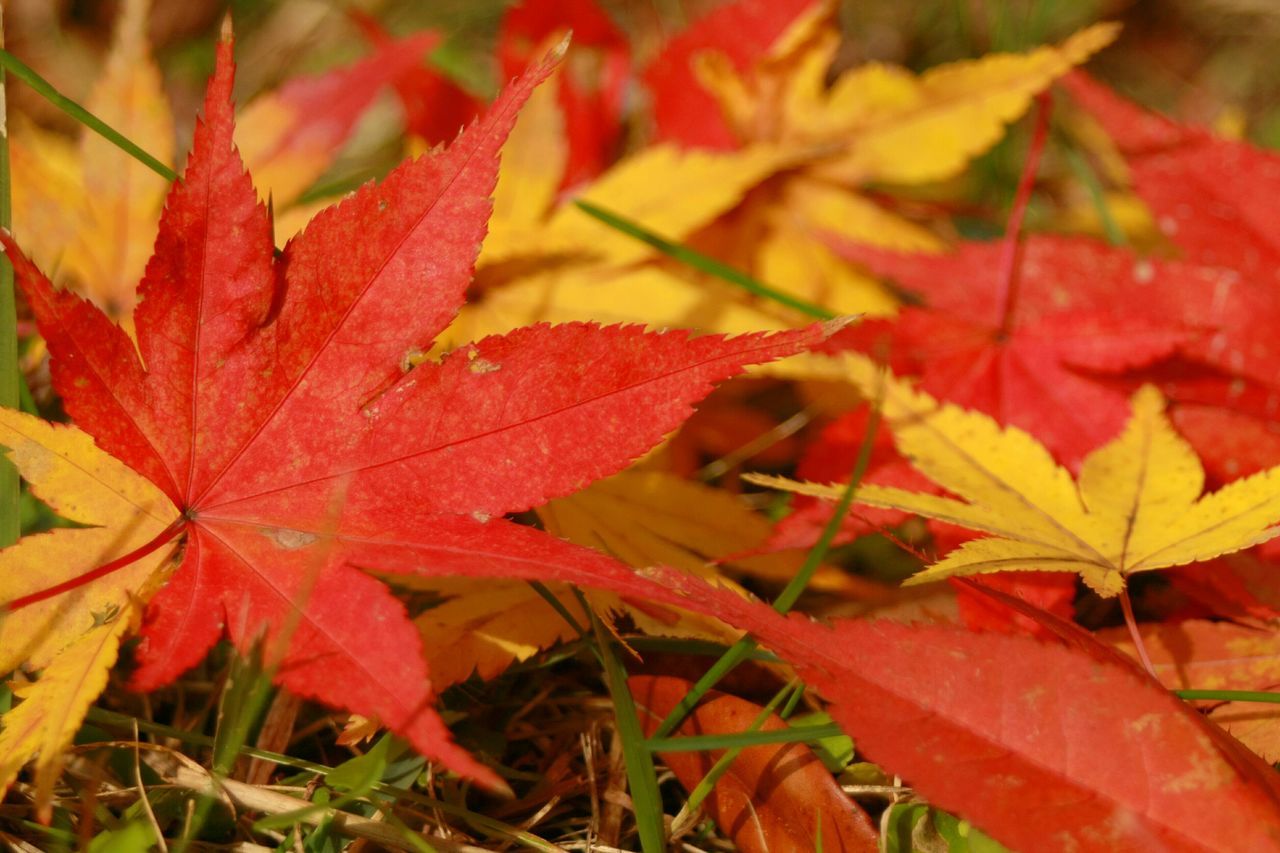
164	537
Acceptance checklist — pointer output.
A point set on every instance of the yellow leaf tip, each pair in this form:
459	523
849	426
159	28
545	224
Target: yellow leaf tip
1088	41
226	33
557	53
830	327
1148	398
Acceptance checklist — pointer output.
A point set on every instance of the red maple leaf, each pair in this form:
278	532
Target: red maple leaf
1097	750
1217	199
435	107
593	86
274	402
685	112
1037	367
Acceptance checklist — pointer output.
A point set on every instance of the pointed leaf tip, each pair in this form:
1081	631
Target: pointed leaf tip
557	53
226	33
834	325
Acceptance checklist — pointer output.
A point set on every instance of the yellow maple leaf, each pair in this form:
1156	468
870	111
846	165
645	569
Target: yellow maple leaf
72	638
874	123
533	163
486	626
108	202
544	260
89	211
651	518
805	148
1137	505
914	130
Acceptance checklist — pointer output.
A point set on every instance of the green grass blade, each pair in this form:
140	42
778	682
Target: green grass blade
1231	695
1085	175
557	605
741	740
642	778
708	782
10	378
45	89
244	697
702	262
740	650
703	648
791	593
736	654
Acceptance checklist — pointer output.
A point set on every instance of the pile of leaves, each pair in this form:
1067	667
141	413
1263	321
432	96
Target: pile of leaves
469	510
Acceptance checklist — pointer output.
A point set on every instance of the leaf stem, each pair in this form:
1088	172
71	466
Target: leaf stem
10	377
1127	607
159	541
699	261
1011	249
44	88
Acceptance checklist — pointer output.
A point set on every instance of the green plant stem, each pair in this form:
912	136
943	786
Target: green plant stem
642	778
558	606
740	741
10	378
1231	695
702	262
1085	175
790	593
701	743
46	90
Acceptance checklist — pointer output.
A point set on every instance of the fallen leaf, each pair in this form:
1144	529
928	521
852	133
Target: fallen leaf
279	411
109	201
436	108
643	518
776	797
995	728
742	31
1214	198
72	638
92	217
1200	655
592	86
1136	507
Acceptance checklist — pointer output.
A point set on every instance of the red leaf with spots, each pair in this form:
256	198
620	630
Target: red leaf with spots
273	400
1092	323
1000	729
1217	199
1082	310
